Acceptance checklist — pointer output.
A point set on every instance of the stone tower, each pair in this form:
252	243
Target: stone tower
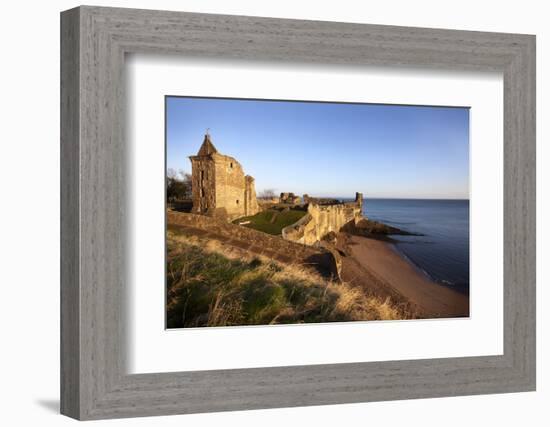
220	187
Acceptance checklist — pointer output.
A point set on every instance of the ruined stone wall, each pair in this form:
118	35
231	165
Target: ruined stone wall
251	203
230	187
327	218
203	183
289	198
219	186
321	219
260	242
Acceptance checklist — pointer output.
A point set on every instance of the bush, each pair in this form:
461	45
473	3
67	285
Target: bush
178	185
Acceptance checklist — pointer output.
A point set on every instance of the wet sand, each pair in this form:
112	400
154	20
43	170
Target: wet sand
383	261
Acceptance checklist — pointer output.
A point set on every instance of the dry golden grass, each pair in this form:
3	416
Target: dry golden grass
211	284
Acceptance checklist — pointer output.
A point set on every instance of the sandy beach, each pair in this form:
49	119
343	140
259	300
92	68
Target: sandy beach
381	262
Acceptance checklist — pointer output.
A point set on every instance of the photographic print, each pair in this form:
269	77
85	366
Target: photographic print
294	212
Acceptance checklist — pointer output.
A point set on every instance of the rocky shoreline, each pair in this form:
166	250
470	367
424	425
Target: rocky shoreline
377	230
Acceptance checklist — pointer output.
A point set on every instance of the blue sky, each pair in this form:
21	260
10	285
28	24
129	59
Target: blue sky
329	149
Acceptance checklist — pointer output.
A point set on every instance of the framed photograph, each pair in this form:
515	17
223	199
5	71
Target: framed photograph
237	256
262	213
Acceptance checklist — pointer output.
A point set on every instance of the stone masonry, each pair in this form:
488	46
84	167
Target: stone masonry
289	198
322	218
219	186
324	260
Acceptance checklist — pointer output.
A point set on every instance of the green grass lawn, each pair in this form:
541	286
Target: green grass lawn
263	221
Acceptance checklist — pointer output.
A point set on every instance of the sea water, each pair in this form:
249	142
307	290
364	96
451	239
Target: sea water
442	250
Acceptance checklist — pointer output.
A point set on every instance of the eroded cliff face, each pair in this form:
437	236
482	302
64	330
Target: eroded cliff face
323	219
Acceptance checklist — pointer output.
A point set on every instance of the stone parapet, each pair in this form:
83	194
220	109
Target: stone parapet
323	218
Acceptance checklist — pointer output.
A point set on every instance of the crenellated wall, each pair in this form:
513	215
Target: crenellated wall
322	219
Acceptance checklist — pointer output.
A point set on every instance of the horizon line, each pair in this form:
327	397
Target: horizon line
396	198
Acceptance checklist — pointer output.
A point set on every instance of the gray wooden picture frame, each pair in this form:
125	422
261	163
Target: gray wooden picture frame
94	41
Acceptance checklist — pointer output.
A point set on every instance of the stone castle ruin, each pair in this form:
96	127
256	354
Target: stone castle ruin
289	198
222	190
219	186
324	216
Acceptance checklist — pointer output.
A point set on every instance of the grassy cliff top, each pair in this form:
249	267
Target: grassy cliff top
211	285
